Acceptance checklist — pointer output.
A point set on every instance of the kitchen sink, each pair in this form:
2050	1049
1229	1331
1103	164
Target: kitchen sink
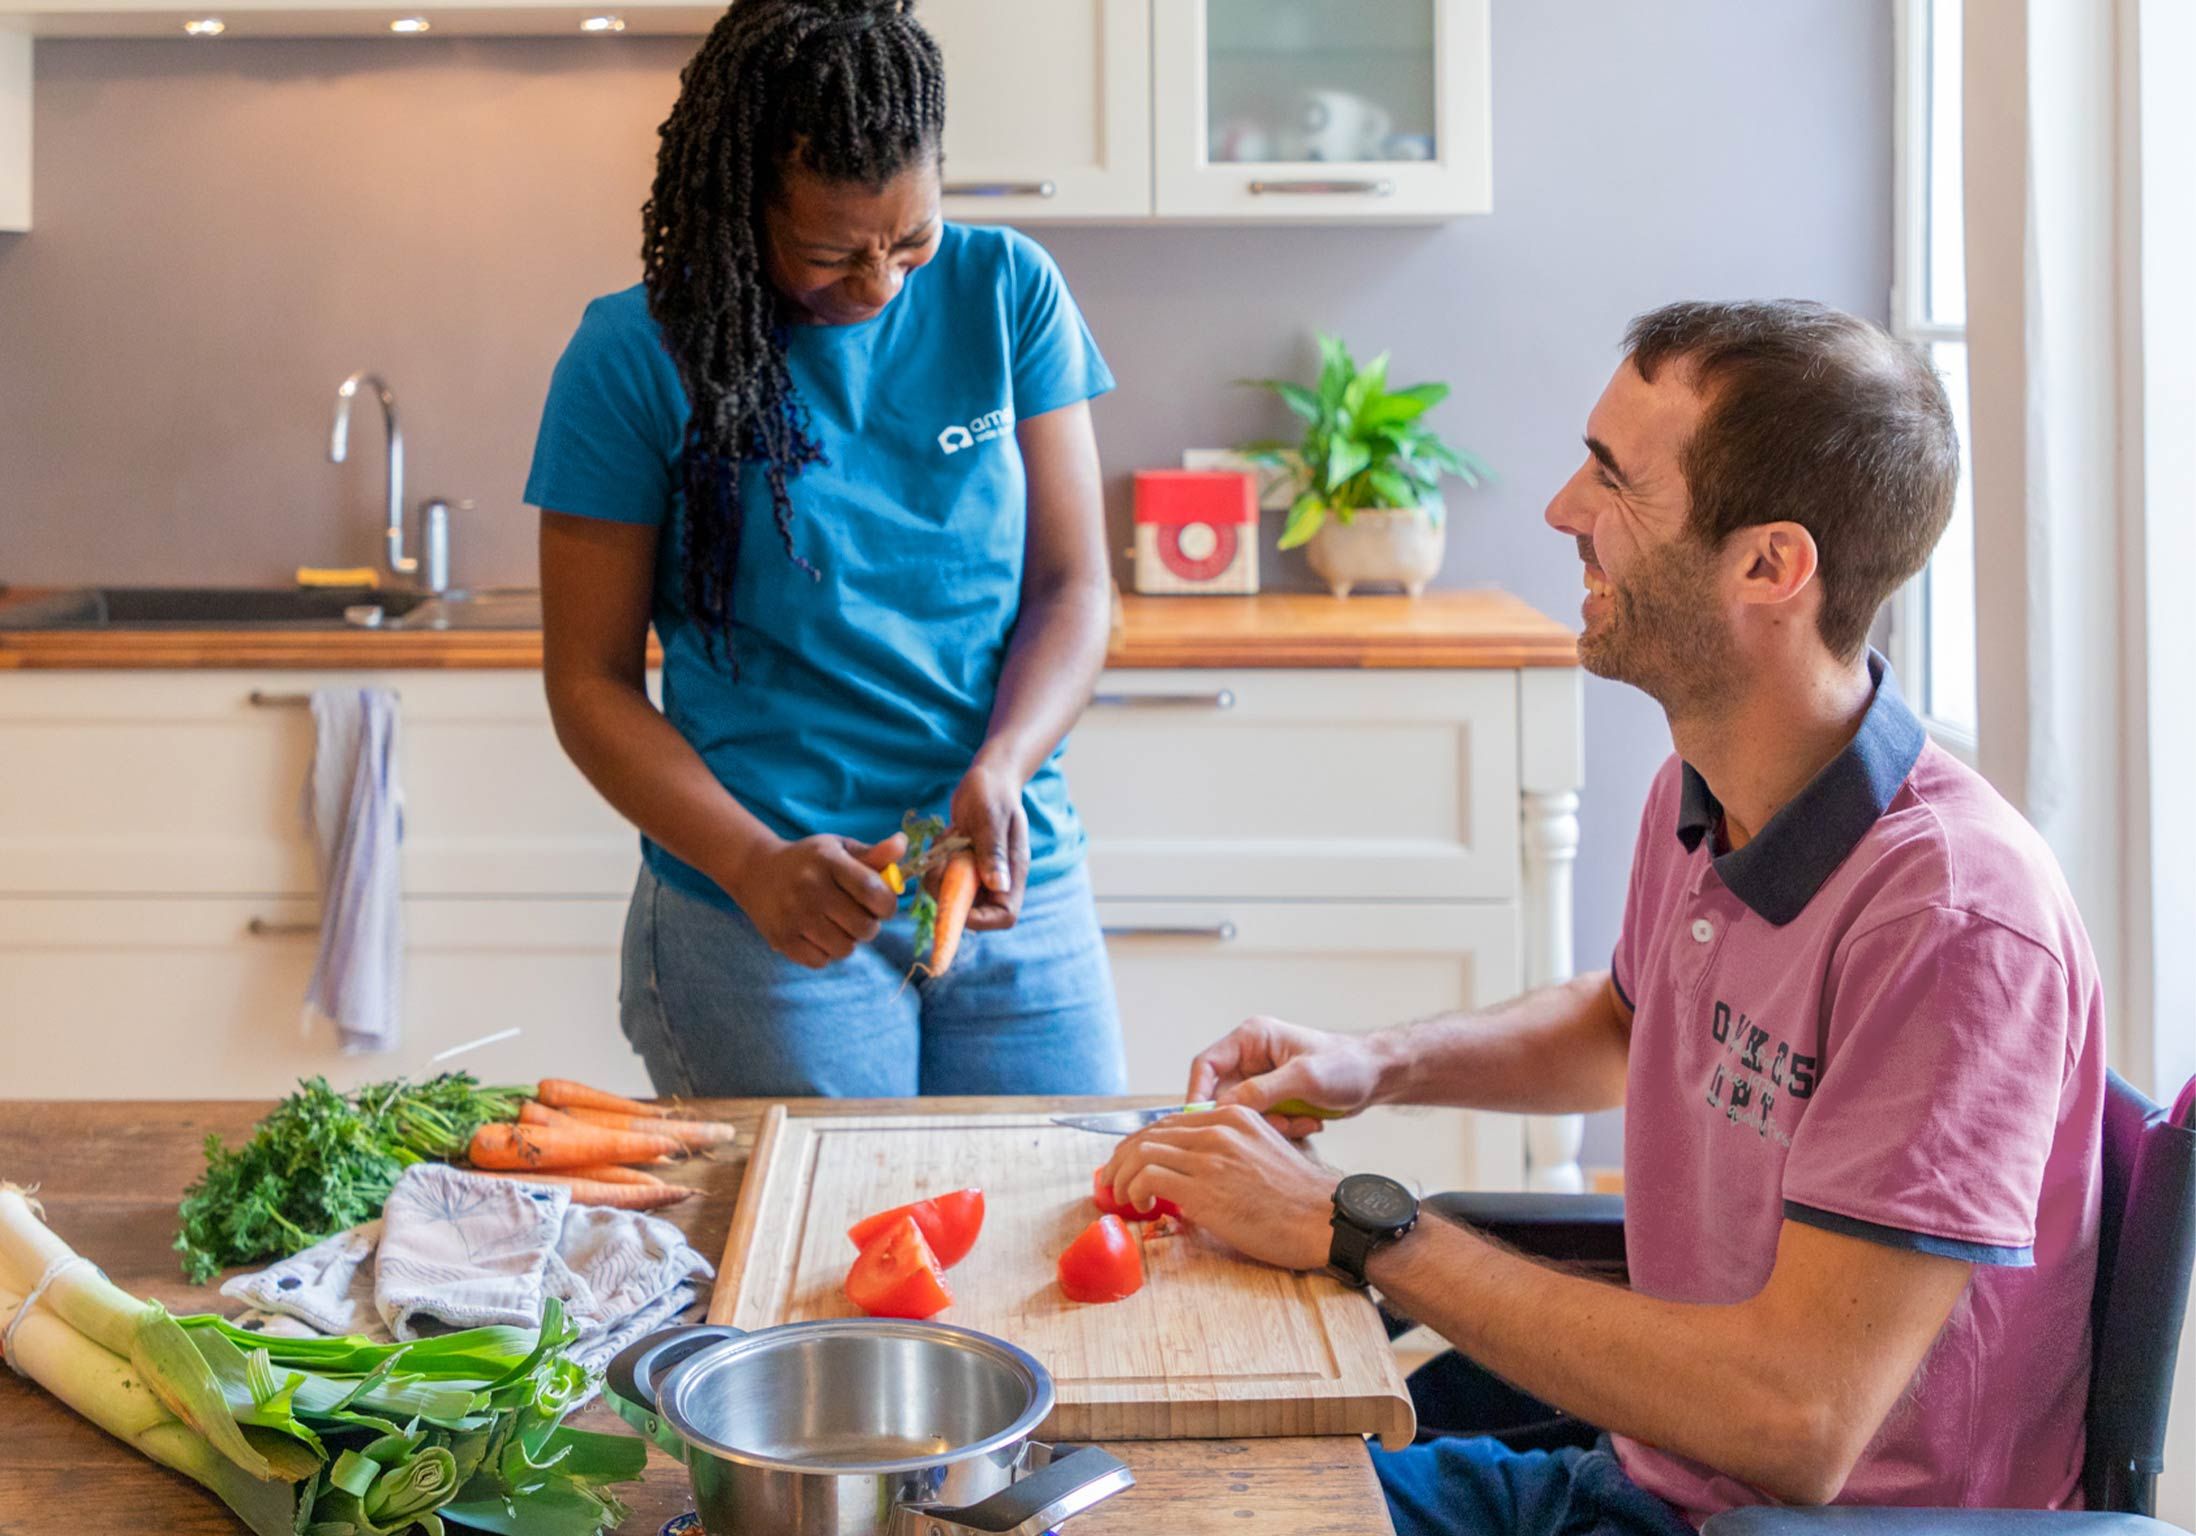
272	608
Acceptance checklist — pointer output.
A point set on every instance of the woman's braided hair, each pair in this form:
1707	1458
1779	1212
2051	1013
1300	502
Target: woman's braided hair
852	90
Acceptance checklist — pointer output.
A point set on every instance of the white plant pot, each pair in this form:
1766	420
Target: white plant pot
1393	546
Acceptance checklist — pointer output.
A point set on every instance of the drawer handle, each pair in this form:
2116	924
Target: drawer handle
259	698
1219	933
1377	186
1000	189
1223	698
269	928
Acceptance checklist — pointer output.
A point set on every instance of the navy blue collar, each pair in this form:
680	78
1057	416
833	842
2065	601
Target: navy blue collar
1779	871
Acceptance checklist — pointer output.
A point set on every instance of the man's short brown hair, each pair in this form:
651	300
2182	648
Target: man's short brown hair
1817	418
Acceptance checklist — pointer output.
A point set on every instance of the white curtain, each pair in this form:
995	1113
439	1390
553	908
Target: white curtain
2080	184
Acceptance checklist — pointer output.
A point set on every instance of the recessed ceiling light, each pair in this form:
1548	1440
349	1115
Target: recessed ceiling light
205	26
603	24
409	24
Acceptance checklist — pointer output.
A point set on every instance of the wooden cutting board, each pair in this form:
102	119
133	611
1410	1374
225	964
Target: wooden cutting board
1213	1347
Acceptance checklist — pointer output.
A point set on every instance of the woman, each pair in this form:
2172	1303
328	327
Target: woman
840	452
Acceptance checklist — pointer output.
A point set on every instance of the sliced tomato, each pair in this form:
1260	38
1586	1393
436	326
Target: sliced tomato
897	1275
949	1224
1102	1193
1103	1264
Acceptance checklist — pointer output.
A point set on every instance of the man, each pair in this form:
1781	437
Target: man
1852	1016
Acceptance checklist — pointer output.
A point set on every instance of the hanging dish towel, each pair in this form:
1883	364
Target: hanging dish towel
456	1250
354	808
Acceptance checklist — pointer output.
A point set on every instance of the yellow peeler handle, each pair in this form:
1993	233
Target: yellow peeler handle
1307	1111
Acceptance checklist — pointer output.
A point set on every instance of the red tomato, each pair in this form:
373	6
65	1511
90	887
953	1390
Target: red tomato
897	1275
1103	1264
949	1224
1102	1193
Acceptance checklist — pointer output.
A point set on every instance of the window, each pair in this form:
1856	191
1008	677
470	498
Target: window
1933	620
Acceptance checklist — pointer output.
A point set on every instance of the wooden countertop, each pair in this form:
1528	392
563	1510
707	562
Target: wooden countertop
1451	629
110	1174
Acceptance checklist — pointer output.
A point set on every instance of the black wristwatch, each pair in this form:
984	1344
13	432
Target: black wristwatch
1371	1211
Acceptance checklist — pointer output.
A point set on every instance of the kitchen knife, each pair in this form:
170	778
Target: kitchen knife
1127	1122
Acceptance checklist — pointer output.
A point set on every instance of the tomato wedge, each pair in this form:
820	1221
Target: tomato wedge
897	1275
1103	1264
949	1224
1102	1193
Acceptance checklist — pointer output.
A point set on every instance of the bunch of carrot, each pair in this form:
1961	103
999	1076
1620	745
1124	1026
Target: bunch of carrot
587	1140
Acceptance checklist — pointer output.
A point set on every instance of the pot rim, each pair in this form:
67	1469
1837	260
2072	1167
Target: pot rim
673	1393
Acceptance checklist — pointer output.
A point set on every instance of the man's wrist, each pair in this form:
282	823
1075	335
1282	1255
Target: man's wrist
1393	1065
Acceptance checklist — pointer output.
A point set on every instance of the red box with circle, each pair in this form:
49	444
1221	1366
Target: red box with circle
1196	532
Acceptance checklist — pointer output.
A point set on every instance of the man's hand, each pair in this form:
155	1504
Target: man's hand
1232	1173
1264	1061
987	810
817	898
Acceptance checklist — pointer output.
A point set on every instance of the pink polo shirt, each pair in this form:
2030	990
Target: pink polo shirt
1881	1017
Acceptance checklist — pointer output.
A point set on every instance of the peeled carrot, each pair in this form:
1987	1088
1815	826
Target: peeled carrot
508	1146
563	1093
626	1197
956	895
688	1133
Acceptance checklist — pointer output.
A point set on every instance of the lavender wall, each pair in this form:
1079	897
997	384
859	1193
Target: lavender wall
225	230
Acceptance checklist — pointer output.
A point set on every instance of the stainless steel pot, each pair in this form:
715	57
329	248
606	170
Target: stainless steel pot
858	1427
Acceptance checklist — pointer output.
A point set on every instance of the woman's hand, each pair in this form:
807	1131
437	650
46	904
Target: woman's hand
987	810
1263	1061
817	898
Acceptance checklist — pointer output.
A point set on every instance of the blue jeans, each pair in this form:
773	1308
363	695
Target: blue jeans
1477	1486
715	1012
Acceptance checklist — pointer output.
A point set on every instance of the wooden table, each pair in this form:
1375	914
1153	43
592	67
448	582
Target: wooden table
110	1175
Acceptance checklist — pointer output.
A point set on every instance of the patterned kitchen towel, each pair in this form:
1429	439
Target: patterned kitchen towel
457	1250
354	809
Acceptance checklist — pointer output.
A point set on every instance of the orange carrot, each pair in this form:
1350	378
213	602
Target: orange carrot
533	1113
612	1173
626	1197
563	1093
956	894
506	1146
688	1133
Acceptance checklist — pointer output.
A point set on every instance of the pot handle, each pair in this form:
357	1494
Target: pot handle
630	1382
1031	1505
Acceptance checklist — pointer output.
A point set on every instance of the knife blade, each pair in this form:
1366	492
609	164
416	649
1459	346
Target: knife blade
1127	1122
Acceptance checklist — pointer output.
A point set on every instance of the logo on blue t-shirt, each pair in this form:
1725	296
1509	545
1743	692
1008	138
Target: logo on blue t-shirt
982	430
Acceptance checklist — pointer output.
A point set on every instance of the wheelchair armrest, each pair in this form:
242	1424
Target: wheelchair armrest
1586	1230
1854	1520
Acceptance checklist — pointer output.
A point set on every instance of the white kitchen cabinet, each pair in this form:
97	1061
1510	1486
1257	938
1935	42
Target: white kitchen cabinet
1345	849
1187	971
1320	110
190	783
201	997
1313	783
1048	108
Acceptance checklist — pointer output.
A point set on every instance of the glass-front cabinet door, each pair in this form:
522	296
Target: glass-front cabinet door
1320	109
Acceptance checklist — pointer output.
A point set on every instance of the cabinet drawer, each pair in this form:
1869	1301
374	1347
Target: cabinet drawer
1188	972
127	998
1321	785
178	784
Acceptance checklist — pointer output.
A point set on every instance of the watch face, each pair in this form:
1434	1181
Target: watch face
1371	1200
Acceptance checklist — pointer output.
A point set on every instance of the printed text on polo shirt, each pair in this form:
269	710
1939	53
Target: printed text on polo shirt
1745	1086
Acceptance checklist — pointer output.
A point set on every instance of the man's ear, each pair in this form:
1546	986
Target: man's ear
1772	562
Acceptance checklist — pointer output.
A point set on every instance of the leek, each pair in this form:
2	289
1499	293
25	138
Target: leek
333	1437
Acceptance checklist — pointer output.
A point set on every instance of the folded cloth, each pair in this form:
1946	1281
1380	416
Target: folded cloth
354	808
457	1250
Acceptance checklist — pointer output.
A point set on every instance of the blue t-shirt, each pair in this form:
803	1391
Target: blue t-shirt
864	692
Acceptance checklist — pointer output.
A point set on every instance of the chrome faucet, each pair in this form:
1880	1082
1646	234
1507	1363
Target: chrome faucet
400	564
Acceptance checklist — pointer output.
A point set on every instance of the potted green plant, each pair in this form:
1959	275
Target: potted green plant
1367	473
